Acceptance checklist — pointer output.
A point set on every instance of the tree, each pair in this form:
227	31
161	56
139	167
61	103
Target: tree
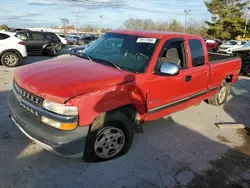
4	27
65	22
175	26
227	18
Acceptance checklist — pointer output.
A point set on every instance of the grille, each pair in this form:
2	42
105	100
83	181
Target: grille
28	98
223	48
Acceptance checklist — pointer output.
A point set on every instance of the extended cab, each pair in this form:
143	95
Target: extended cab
89	105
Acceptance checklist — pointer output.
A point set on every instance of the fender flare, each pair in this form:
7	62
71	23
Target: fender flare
12	50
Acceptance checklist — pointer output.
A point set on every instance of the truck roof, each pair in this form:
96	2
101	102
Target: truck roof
155	34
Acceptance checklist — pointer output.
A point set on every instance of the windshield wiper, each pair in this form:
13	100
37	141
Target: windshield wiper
109	62
86	55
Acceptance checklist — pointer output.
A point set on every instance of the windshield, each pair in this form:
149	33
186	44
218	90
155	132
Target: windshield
231	42
129	52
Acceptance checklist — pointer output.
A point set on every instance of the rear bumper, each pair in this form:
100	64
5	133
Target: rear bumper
64	143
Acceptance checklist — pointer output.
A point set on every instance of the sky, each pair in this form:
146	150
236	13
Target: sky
45	13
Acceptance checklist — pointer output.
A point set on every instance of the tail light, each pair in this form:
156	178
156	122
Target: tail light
21	43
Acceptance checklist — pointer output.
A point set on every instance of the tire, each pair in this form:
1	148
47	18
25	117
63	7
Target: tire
10	59
221	96
50	51
117	130
60	46
216	50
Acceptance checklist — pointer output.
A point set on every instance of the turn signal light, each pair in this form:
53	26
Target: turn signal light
59	125
68	126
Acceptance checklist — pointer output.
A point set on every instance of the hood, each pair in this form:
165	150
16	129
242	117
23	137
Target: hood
78	48
63	78
227	46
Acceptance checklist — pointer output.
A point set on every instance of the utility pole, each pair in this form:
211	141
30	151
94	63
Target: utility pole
100	16
246	21
186	12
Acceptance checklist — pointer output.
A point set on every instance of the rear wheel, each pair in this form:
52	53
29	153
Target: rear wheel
111	136
221	96
50	51
10	59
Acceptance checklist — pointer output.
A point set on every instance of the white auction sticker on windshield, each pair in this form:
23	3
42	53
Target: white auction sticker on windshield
146	40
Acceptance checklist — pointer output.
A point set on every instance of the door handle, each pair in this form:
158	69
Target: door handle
188	78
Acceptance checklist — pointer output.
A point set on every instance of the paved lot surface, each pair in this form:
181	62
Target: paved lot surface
184	149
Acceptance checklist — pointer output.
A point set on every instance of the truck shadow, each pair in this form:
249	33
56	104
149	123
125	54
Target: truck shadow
168	153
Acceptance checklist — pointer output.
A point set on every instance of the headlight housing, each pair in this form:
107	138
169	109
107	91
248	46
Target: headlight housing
60	108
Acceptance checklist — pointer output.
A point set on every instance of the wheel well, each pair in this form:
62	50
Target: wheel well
229	78
129	111
12	50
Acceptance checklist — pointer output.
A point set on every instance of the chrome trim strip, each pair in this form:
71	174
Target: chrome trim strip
186	99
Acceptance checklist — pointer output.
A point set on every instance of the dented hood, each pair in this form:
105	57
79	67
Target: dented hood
63	78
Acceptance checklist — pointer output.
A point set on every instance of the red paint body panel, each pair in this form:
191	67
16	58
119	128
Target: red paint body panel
61	79
212	46
96	88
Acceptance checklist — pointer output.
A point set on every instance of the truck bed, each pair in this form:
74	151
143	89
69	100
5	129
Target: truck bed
217	58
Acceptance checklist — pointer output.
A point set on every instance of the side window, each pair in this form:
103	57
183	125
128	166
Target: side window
22	36
3	36
197	52
174	53
37	36
48	36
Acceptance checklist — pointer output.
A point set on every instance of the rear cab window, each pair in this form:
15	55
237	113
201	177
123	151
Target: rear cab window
197	52
3	36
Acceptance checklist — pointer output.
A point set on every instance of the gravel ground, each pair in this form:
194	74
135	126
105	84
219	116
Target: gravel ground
185	149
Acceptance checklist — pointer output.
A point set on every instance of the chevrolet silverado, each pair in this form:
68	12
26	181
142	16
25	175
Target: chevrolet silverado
88	105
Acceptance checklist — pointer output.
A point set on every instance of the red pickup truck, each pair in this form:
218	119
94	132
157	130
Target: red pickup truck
89	105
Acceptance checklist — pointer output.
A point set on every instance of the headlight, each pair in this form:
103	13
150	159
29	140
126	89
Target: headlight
79	51
60	108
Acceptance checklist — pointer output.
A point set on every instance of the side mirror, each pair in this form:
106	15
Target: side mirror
169	69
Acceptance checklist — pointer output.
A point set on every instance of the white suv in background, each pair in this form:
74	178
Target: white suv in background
12	49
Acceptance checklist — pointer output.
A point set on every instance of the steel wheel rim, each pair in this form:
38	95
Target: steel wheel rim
109	142
10	59
222	94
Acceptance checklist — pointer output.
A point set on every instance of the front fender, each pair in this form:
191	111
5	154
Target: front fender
91	105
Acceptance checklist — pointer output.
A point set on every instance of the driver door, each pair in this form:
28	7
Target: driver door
168	93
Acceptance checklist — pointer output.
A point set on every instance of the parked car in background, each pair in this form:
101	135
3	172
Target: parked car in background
88	106
229	46
212	45
62	39
80	49
85	40
72	39
12	49
244	54
38	42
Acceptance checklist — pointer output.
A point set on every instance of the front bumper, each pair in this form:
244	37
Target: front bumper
226	51
65	143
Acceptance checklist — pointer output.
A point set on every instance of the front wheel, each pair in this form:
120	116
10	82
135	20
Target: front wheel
111	136
221	96
10	59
